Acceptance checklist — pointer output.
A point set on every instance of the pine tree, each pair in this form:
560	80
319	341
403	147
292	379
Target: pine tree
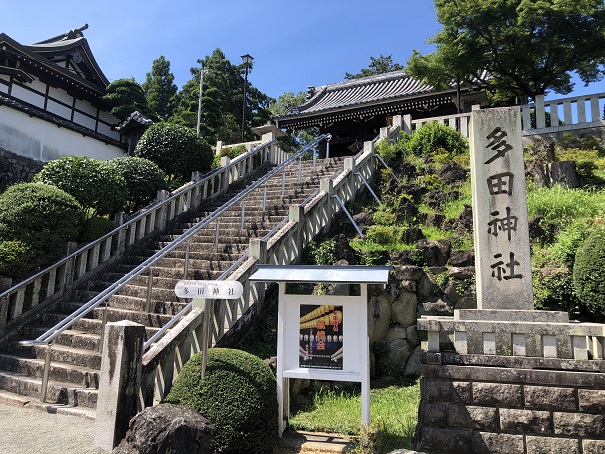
160	89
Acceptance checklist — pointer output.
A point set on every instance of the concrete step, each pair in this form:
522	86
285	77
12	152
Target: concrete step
75	356
57	392
62	372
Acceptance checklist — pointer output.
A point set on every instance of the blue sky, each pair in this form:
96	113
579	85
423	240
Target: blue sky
295	43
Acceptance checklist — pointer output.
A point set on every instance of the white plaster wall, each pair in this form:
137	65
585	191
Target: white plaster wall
36	139
59	109
85	106
27	96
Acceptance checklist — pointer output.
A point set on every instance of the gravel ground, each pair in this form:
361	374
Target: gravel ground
26	430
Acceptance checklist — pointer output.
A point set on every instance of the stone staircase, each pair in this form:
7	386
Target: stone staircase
74	378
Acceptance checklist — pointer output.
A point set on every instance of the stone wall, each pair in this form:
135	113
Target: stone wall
16	169
470	405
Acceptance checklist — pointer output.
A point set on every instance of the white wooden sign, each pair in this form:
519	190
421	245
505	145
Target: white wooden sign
228	290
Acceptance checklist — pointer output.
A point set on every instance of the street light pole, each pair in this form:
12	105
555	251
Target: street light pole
247	59
199	105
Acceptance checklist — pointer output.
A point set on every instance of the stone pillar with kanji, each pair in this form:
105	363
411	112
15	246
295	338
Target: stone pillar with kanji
500	226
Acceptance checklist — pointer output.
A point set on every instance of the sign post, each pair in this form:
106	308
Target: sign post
322	337
203	294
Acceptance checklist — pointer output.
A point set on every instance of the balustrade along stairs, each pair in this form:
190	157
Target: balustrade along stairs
269	216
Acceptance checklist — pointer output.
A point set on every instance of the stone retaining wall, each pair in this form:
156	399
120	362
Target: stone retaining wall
16	169
468	405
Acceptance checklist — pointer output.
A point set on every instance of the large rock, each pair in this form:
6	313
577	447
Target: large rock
395	332
395	358
452	173
168	428
404	309
413	365
435	253
379	318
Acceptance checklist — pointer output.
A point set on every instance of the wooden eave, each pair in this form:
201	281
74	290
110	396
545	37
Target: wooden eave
49	72
366	110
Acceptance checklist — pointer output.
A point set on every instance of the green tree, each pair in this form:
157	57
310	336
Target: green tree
94	184
35	222
515	47
143	179
295	139
124	96
222	101
382	64
177	150
159	88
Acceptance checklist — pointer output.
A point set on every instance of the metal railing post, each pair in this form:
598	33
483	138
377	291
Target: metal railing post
186	266
46	373
265	198
216	236
314	157
243	216
283	184
103	324
149	287
299	169
328	147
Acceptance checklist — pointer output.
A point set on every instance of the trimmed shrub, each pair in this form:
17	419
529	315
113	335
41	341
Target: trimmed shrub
40	216
143	178
95	227
95	184
177	150
16	259
433	138
588	281
238	395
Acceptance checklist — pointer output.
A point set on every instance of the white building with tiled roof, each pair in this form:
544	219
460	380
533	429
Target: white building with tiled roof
51	100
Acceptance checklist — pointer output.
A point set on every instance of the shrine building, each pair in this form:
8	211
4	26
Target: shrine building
51	100
355	110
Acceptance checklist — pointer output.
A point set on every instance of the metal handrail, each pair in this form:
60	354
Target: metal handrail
56	330
150	207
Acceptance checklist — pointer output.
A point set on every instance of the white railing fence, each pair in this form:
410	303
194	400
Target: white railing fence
29	296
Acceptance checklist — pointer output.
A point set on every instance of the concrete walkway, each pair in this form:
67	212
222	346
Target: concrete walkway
27	430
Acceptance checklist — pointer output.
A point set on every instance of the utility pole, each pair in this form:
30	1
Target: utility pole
199	105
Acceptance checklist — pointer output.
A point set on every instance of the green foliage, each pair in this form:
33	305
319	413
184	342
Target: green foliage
143	178
588	281
432	182
222	101
323	254
394	412
560	204
233	152
95	227
125	96
382	64
435	139
16	259
39	218
388	151
384	216
586	143
95	184
527	47
177	150
159	88
238	395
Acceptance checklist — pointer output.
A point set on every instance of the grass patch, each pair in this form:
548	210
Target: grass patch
394	413
453	208
562	205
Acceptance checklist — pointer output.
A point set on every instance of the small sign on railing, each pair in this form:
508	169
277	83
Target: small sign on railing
228	290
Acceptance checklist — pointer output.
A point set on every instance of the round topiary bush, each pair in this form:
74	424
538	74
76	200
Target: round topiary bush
143	179
15	259
176	149
434	137
588	281
238	395
95	184
42	218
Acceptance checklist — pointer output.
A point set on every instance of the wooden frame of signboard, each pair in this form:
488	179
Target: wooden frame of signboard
322	337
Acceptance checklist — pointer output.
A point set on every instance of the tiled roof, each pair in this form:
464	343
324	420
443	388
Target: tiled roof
359	92
135	119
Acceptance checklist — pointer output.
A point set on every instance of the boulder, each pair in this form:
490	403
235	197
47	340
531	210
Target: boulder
396	356
413	190
168	428
435	253
412	368
452	173
462	258
435	306
412	334
379	318
406	212
405	308
363	220
408	273
395	332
